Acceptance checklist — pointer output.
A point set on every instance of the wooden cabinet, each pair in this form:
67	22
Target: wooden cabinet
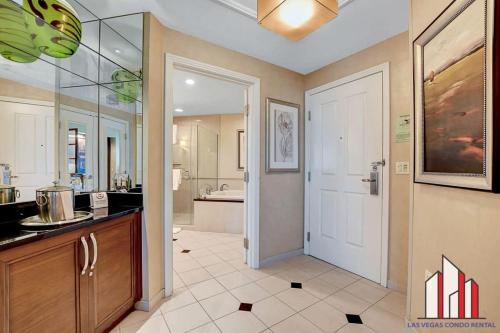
42	288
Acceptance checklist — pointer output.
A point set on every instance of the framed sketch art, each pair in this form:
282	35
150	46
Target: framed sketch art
454	114
282	136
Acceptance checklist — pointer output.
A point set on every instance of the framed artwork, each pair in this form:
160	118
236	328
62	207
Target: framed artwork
453	82
240	137
282	136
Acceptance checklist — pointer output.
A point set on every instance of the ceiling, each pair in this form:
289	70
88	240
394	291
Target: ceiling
231	24
207	96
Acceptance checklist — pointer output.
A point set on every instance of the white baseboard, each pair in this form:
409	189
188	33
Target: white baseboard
148	305
280	257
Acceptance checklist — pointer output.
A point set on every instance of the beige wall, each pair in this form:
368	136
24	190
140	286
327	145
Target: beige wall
395	51
228	155
461	224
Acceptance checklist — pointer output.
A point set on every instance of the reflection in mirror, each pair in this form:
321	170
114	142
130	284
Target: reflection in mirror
76	120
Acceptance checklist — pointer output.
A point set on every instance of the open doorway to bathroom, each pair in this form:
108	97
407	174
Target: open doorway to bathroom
211	197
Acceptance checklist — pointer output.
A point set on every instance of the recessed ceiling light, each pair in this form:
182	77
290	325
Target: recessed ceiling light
190	82
179	110
118	51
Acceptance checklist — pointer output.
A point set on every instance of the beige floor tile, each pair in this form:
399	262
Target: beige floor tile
271	311
220	305
153	325
195	276
254	274
177	282
186	318
395	303
325	316
233	280
347	303
186	265
337	278
200	253
219	248
250	293
230	255
383	321
296	324
297	299
238	263
240	322
208	328
355	328
179	299
219	269
294	275
208	260
319	288
138	317
369	293
273	284
206	289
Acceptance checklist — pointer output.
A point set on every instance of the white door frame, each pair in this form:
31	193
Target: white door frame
253	161
386	123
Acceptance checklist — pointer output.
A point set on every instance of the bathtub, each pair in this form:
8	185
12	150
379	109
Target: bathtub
229	195
220	211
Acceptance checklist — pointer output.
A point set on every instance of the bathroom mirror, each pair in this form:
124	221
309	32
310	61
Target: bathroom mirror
76	120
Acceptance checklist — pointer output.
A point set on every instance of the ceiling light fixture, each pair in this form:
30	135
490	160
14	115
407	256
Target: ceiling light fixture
118	51
295	19
179	110
190	82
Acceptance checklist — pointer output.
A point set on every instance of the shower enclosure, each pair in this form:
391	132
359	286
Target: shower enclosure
195	156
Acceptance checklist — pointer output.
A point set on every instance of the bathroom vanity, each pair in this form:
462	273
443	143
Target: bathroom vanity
83	277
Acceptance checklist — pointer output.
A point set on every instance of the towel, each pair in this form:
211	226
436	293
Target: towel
67	203
176	179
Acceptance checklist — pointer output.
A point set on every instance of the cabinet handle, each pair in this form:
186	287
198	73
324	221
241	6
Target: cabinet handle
86	249
94	243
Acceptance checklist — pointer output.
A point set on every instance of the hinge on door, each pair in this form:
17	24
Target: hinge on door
247	110
246	177
59	124
245	243
309	115
308	236
309	176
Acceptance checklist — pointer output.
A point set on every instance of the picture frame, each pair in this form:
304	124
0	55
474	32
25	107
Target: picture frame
241	158
282	136
456	125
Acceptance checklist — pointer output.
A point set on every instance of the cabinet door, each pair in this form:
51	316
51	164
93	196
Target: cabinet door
40	286
112	280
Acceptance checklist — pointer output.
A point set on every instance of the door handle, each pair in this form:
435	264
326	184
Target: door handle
86	250
373	180
94	261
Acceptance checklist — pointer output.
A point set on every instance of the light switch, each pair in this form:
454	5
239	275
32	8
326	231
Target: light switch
402	168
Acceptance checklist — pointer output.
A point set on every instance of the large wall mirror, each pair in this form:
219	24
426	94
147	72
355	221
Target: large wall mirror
71	111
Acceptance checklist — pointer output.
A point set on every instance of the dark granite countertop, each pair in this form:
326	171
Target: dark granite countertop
12	234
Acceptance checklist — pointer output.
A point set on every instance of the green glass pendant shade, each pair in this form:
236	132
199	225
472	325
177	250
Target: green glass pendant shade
16	43
126	85
54	26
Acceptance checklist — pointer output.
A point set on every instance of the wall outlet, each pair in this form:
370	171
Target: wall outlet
402	168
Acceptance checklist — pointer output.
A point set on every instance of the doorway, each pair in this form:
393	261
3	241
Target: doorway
347	157
251	112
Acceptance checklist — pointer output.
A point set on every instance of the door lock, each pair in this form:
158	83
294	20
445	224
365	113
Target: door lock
373	180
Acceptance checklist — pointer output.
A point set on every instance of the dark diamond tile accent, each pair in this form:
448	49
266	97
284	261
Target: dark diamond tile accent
186	251
354	319
296	285
174	239
246	307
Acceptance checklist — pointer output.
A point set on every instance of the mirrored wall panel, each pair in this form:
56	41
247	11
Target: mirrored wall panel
70	98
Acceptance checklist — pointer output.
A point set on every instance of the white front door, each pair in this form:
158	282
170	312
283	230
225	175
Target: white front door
346	138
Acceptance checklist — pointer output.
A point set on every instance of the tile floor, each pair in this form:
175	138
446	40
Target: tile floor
214	291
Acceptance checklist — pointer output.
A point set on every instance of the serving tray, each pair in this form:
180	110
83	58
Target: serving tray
36	221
